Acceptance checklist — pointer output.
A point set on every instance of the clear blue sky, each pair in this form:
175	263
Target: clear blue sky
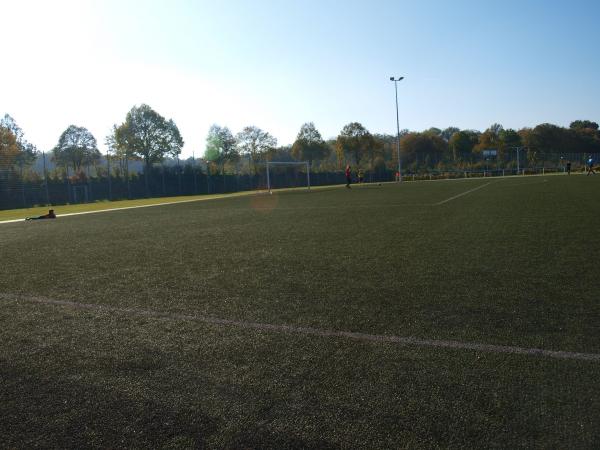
278	64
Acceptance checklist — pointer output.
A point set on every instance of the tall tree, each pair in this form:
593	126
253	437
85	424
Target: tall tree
119	153
76	148
495	128
448	132
510	138
423	147
583	124
220	147
283	153
509	141
9	149
27	151
149	135
582	140
353	141
433	131
547	138
375	151
309	144
527	139
490	139
255	142
462	143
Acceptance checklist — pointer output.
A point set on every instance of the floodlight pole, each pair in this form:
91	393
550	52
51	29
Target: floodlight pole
518	149
395	80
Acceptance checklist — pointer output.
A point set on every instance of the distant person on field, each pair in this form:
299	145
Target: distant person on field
361	176
348	176
568	167
590	170
397	176
50	215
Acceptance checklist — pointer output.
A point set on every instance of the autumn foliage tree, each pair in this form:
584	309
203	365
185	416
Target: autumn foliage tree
76	148
255	142
461	144
26	151
220	147
354	142
9	150
426	148
309	145
147	134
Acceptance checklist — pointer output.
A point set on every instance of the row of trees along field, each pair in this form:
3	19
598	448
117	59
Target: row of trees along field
147	136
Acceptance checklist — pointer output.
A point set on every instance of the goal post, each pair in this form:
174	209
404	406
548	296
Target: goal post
287	163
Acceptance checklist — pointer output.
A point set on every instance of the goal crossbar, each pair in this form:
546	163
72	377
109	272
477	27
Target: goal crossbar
288	163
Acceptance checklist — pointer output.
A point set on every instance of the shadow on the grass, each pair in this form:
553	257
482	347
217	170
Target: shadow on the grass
53	411
50	412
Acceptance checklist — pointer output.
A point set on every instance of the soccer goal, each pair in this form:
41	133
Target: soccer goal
271	165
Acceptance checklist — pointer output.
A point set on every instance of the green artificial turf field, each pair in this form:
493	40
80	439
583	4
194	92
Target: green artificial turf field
220	323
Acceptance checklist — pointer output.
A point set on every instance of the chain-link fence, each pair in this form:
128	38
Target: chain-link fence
43	183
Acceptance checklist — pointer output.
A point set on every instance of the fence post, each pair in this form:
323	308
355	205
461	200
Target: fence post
46	180
68	185
127	175
207	177
109	180
194	173
179	175
22	184
89	192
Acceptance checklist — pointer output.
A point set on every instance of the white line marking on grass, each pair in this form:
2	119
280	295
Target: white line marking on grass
463	194
122	208
251	193
526	183
206	198
403	340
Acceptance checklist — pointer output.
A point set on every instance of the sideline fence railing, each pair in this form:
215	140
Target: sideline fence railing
44	184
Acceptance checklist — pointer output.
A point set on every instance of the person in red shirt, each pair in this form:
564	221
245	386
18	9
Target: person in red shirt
50	215
348	176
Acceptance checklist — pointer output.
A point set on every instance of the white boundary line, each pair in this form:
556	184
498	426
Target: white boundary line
402	340
250	193
201	199
138	206
462	194
12	221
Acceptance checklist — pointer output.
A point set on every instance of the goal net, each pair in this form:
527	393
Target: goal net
288	174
